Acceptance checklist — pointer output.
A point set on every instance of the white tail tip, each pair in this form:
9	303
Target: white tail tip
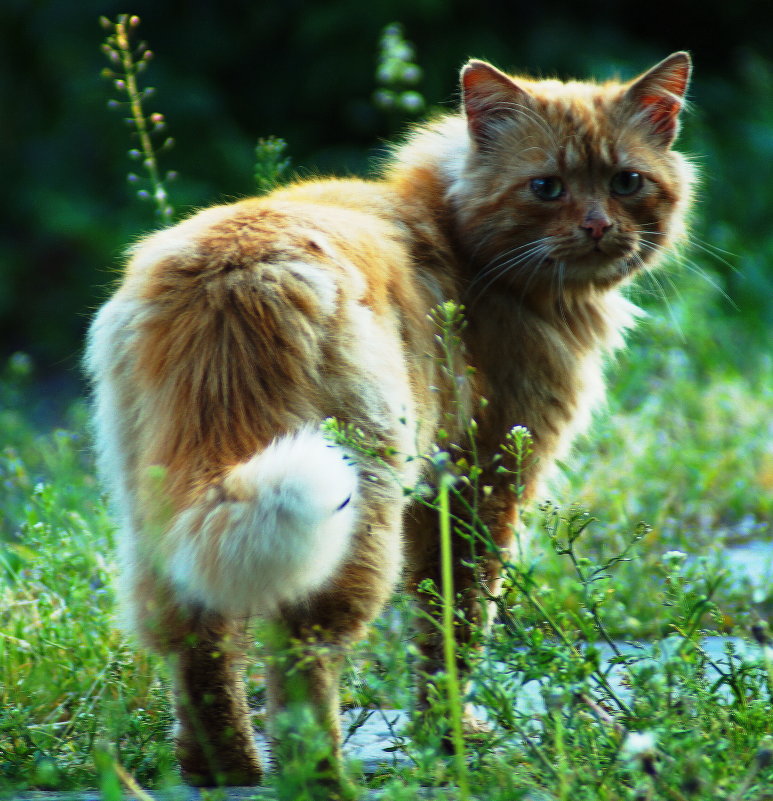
278	531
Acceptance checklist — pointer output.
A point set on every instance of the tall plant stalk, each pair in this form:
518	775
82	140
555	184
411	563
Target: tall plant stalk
128	63
449	641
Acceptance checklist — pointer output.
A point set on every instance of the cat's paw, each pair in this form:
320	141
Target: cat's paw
201	765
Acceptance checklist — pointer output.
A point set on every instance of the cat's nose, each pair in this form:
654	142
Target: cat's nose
596	226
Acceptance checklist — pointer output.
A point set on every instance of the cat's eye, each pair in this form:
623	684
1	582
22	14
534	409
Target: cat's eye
626	182
550	188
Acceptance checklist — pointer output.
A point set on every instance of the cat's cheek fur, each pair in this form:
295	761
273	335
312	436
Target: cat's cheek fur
275	530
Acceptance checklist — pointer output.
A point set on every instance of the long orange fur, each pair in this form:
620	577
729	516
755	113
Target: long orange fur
236	333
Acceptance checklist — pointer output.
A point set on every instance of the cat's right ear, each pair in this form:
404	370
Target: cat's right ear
658	95
488	96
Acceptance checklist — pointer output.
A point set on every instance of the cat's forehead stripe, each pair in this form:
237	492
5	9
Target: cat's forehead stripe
583	150
582	135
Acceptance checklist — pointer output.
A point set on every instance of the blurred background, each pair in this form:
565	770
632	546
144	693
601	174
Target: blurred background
229	72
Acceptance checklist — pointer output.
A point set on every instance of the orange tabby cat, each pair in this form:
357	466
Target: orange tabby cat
236	333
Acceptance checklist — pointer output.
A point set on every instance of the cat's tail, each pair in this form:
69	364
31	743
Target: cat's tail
274	530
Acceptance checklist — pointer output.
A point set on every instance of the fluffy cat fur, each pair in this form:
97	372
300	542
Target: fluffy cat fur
235	333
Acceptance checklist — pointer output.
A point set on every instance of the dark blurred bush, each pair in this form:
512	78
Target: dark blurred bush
229	72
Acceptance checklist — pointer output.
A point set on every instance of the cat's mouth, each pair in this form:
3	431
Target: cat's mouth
598	263
594	253
606	251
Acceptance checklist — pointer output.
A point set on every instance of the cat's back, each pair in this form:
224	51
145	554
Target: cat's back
256	317
338	228
283	272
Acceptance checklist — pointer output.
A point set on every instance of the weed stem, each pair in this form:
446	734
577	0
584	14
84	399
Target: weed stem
449	642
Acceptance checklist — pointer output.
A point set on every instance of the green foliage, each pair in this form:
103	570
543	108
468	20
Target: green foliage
663	718
127	63
271	163
397	74
711	469
734	239
453	705
66	678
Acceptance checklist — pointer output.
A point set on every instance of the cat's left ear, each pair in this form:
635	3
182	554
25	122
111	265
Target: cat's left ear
488	96
658	95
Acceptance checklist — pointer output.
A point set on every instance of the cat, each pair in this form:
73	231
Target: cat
235	333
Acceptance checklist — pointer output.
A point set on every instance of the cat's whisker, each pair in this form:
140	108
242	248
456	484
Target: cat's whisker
520	248
498	270
533	274
695	269
714	252
560	271
506	258
519	258
654	279
486	239
683	261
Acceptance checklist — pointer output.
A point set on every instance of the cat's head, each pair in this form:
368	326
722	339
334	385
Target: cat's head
569	185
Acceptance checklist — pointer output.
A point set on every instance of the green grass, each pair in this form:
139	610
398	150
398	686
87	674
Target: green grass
67	679
681	448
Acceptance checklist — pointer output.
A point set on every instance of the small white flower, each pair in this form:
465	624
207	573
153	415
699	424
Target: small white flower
675	558
638	743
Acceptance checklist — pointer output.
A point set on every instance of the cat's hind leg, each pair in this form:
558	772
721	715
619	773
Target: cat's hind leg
310	642
213	735
477	565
